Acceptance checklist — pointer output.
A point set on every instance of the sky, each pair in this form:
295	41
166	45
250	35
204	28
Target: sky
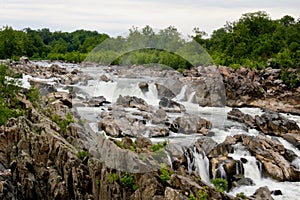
115	17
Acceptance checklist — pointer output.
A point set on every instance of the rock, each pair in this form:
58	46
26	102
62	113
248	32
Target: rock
240	180
274	123
110	127
205	144
189	124
143	142
104	78
144	87
262	193
56	69
293	138
276	192
133	102
24	60
159	117
164	91
156	131
236	115
271	154
170	106
170	193
96	101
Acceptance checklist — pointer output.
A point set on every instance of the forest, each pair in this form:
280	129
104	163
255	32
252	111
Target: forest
255	40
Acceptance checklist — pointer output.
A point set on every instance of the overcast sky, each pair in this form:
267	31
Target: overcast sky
117	16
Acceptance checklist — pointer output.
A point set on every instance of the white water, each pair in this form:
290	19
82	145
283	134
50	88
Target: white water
202	166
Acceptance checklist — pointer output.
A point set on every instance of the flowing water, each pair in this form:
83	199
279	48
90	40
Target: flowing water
220	130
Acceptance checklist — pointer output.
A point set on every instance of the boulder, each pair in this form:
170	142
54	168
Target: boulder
170	106
144	87
189	124
274	123
262	193
236	115
133	102
163	91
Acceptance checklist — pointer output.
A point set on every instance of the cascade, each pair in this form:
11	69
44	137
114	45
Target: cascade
202	165
181	95
221	171
191	97
190	164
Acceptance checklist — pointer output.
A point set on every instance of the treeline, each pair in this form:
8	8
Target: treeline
44	44
255	40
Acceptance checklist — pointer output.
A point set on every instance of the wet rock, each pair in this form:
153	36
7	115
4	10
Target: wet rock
164	91
272	155
274	123
262	193
236	115
104	78
144	87
170	193
189	124
170	106
276	192
159	117
293	138
143	142
133	102
110	127
157	131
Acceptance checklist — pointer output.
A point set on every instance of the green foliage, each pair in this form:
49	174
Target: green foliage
164	173
33	95
192	197
203	194
127	180
159	146
82	154
63	122
119	144
113	177
241	195
98	183
253	40
9	106
221	185
43	44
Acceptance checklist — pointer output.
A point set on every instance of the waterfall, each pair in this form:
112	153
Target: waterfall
181	94
169	159
191	97
221	170
190	164
202	165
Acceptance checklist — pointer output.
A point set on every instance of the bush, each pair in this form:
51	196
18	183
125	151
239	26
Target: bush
127	180
82	154
159	146
113	177
164	173
63	123
220	184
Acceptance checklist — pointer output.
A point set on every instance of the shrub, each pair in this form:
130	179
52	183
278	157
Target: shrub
164	173
241	195
63	123
82	154
220	184
159	146
113	177
127	180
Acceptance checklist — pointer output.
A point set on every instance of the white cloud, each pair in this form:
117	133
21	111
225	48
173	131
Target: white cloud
117	16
